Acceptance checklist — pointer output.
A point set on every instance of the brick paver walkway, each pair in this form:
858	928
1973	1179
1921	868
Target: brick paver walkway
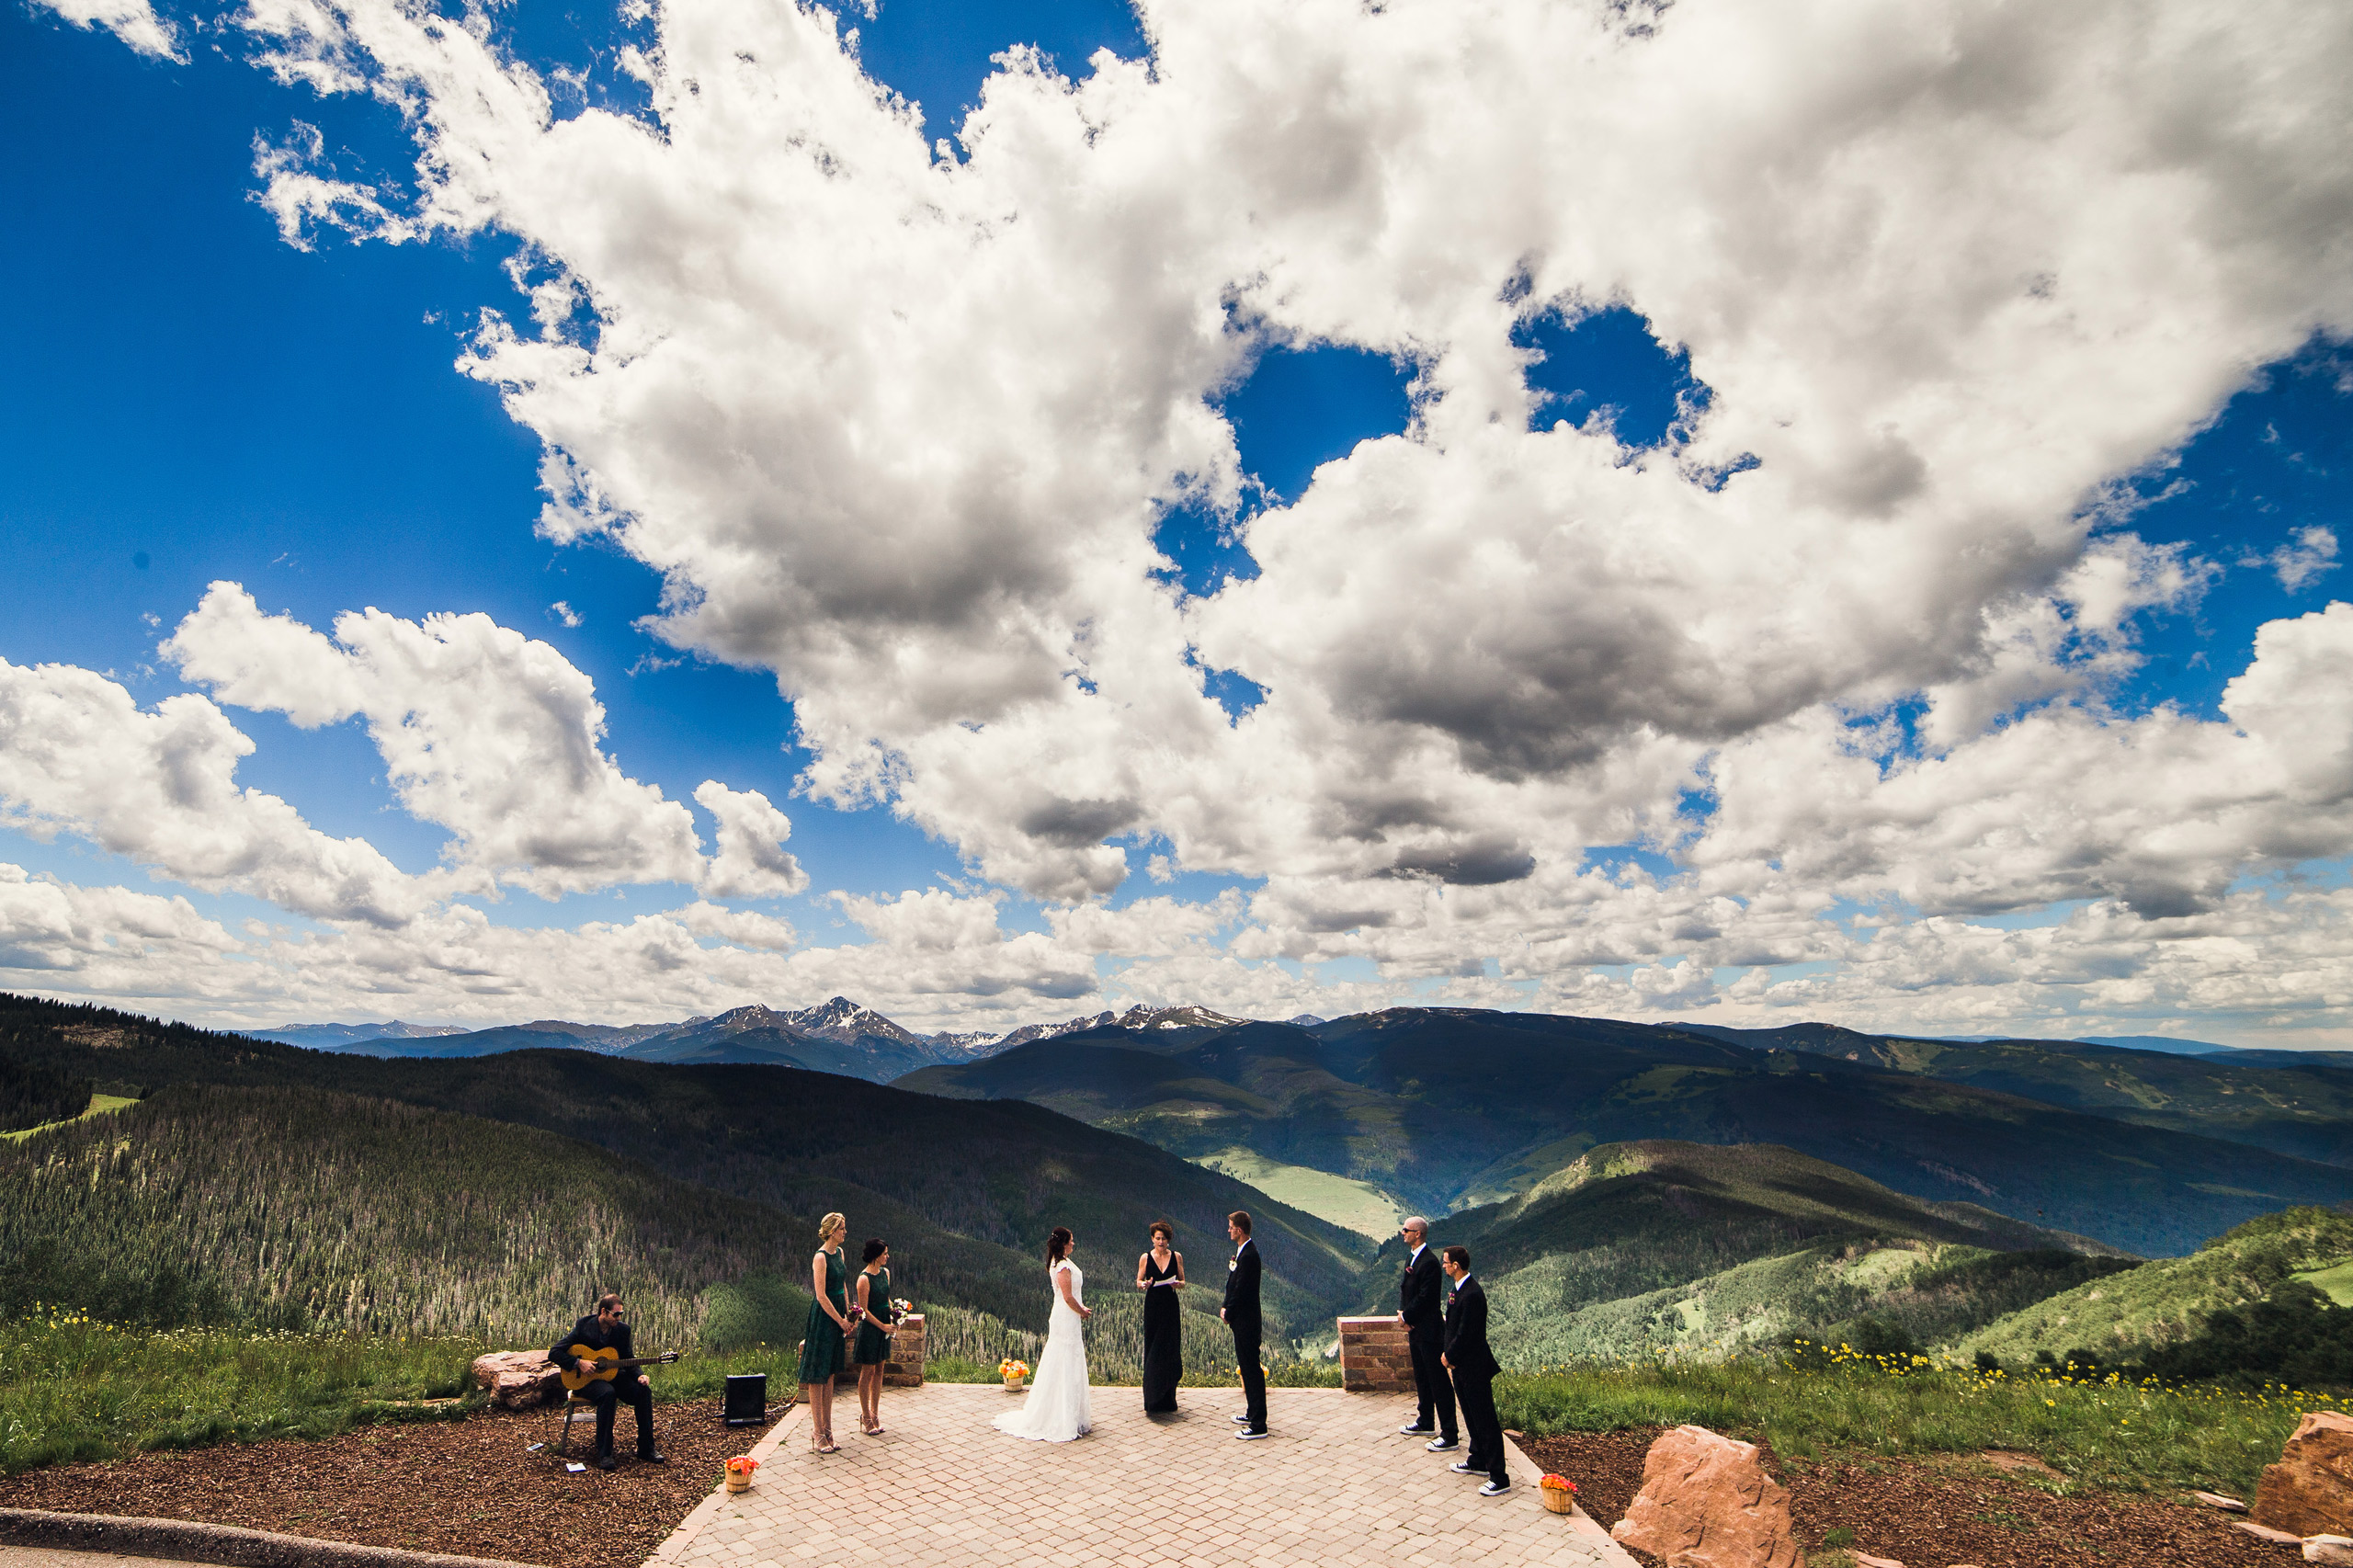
1335	1487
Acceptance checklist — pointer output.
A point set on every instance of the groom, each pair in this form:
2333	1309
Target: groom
1241	1315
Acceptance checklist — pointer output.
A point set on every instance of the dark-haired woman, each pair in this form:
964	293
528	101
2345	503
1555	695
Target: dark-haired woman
1160	1273
1057	1409
872	1347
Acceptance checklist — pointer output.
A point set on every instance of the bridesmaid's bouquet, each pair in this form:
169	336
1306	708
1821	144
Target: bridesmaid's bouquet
855	1313
901	1307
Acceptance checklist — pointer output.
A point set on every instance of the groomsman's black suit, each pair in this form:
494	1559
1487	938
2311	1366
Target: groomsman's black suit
1241	1316
1474	1377
1421	1301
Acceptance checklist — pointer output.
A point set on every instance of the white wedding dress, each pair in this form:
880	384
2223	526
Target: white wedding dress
1056	1409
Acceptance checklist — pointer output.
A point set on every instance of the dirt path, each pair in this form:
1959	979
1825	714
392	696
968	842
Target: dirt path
1937	1515
468	1487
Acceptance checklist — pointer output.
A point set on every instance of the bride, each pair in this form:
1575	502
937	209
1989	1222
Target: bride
1056	1409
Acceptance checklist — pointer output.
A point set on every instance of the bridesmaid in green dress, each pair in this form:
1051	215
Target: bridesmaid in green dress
873	1344
821	1351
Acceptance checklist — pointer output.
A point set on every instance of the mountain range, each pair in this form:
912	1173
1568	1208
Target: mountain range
1446	1108
837	1036
965	1194
1624	1186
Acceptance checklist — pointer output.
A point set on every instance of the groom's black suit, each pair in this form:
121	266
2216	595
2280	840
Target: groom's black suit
1241	1316
1421	1301
1474	1378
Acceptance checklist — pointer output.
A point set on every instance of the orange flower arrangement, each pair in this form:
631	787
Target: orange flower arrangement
1558	1484
743	1464
1009	1368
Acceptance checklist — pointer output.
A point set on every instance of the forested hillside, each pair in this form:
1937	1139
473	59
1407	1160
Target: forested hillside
1451	1107
300	1208
1634	1247
2170	1300
965	1193
2303	1107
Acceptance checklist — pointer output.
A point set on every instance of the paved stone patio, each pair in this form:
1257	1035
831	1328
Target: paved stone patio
1335	1487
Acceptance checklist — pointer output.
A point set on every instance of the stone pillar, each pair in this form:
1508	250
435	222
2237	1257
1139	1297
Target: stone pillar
1374	1357
904	1368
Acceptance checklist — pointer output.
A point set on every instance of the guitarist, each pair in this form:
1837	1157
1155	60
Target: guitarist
606	1331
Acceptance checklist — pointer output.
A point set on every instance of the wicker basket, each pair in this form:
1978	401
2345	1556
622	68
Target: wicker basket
1014	1385
1559	1499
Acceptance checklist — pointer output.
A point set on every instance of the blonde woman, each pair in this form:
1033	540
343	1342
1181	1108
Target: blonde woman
821	1350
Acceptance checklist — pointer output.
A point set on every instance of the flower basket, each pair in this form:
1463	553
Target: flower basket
739	1473
1559	1493
1015	1374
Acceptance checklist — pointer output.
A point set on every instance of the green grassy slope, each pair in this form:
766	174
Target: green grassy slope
2302	1110
965	1193
1257	1087
2166	1302
1633	1248
1446	1107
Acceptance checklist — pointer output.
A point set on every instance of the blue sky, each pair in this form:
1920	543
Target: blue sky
189	398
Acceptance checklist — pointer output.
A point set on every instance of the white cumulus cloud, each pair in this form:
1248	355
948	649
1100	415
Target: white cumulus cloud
898	428
78	755
491	735
132	21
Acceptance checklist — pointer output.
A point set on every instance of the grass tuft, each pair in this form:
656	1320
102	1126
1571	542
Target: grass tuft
2097	1431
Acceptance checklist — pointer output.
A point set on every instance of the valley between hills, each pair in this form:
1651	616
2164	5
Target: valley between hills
1645	1203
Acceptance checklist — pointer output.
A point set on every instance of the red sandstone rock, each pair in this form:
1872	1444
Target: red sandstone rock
518	1378
1707	1503
2310	1491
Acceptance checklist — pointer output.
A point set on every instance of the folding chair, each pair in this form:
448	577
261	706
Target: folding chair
576	1407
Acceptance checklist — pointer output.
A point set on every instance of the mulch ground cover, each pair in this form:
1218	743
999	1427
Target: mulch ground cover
1939	1514
470	1487
465	1486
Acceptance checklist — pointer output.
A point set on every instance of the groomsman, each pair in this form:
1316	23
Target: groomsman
1473	1366
1241	1315
1421	1307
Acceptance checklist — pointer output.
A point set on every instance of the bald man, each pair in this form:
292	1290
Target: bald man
1421	1307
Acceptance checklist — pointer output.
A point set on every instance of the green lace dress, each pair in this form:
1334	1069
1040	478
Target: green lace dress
874	1346
821	1350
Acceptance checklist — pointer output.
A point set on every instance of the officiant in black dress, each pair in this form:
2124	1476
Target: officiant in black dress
1160	1273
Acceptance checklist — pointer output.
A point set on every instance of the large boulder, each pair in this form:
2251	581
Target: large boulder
1706	1501
2310	1491
518	1378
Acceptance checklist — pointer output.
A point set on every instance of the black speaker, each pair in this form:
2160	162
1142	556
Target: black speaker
748	1399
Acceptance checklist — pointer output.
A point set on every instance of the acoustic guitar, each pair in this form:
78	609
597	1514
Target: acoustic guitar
608	1363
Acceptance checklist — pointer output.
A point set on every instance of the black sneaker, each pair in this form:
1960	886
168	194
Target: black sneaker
1464	1467
1251	1434
1415	1429
1242	1421
1495	1489
1443	1445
